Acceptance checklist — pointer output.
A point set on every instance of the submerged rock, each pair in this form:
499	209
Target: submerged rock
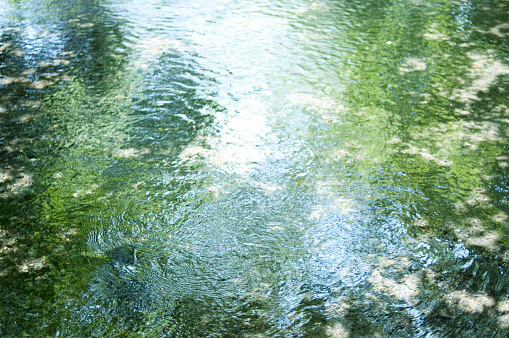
124	254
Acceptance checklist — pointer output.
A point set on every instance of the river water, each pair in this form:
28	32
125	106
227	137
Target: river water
254	168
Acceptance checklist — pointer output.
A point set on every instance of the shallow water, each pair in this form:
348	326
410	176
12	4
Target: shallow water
254	168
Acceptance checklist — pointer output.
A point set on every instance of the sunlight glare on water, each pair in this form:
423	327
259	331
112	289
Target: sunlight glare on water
275	244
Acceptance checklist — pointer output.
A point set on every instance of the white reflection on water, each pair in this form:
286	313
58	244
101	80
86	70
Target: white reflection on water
278	230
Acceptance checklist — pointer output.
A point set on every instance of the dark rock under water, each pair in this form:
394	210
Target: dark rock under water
124	254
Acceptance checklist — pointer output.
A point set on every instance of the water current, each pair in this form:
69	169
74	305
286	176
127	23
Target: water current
254	168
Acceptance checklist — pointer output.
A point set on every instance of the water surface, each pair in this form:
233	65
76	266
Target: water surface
254	168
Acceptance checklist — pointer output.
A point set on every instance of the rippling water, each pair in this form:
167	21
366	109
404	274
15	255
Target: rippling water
254	168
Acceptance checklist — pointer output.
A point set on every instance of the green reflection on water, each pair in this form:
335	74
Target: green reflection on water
370	199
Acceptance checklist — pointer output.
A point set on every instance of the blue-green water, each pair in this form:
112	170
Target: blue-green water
254	168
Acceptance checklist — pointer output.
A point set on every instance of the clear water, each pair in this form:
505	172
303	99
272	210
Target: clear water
254	168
